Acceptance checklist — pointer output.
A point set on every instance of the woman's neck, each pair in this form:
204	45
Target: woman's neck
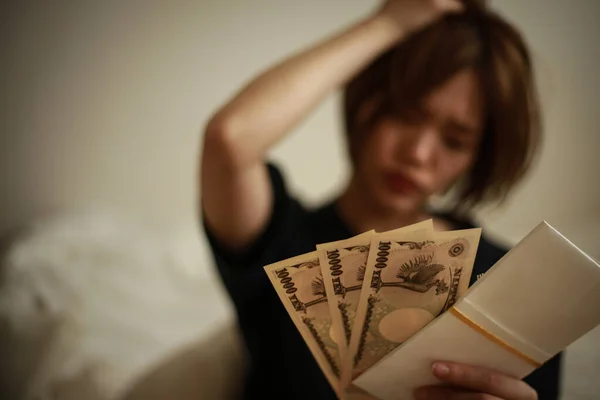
361	214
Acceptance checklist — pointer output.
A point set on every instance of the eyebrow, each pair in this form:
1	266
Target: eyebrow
460	126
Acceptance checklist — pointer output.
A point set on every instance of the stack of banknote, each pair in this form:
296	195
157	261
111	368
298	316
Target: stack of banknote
354	301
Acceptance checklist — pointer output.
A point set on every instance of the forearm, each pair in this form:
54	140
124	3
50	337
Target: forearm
278	99
236	192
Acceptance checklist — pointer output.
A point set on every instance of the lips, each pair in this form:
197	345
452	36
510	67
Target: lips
401	183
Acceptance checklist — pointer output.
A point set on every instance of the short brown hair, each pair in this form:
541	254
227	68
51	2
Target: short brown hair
403	76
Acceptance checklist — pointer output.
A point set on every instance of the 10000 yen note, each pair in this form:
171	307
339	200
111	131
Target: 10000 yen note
334	257
343	265
407	284
299	284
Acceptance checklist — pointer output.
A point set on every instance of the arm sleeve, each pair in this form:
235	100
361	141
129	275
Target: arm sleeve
242	271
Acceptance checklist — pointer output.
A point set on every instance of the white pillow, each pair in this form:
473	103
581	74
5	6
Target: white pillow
89	303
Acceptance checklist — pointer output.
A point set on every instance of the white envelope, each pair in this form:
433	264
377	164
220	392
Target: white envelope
540	297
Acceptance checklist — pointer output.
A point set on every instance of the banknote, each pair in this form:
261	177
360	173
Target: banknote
407	283
334	257
343	265
299	285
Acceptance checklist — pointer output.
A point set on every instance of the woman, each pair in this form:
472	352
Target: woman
438	96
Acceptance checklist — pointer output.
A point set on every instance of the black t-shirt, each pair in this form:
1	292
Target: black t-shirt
280	363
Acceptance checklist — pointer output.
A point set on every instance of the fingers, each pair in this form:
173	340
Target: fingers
447	393
483	380
450	5
460	5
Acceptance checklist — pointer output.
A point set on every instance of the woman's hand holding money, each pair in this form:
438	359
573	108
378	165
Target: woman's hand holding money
468	382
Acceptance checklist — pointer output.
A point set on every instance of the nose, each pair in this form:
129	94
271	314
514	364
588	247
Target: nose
421	146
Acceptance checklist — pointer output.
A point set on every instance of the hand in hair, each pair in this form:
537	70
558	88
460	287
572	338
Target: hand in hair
411	15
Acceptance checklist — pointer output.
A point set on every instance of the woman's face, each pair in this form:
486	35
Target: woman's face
408	159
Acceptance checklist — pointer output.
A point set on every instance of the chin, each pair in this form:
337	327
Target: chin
398	203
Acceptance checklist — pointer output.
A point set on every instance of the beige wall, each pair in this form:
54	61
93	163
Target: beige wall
102	104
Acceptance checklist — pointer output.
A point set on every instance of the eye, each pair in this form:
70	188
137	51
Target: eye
455	144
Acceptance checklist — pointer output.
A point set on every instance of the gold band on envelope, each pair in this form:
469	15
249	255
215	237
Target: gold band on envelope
462	317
